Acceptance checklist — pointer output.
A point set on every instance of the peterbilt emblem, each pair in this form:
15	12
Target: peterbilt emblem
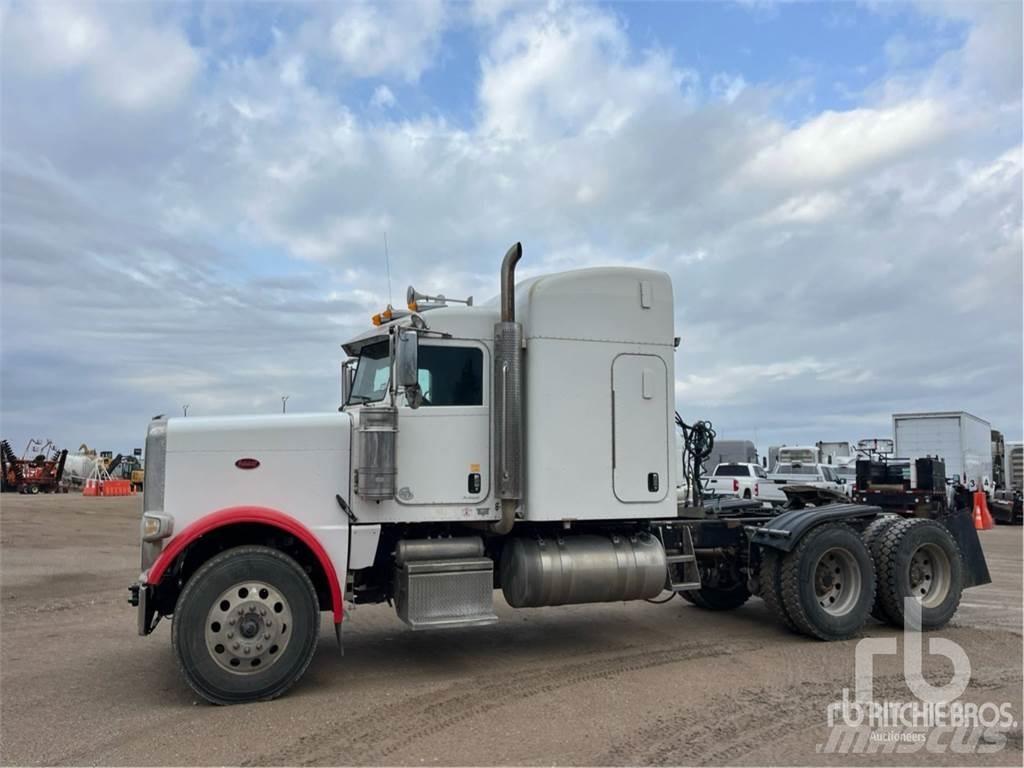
247	463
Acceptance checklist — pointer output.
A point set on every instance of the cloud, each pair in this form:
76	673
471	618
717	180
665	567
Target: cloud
131	64
382	97
568	71
401	39
837	144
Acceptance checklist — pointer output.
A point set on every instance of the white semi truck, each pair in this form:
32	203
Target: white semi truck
525	445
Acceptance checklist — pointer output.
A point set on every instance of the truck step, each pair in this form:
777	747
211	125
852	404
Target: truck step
681	558
688	586
681	572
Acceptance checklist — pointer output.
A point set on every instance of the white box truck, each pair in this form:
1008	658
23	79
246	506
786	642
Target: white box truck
960	439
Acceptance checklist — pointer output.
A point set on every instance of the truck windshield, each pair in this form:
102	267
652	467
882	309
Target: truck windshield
373	372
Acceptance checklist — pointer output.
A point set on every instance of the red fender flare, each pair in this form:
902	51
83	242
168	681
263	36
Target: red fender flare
233	515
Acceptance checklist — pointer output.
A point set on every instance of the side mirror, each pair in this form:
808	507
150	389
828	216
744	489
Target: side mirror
407	369
348	374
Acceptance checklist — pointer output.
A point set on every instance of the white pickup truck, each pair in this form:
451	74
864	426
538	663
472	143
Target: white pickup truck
737	479
820	475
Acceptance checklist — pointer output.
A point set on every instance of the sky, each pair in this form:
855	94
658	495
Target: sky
194	197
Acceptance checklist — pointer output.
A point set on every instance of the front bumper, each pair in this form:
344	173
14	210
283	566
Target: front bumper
141	596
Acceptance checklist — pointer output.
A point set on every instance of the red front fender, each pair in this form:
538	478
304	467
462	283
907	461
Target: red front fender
234	515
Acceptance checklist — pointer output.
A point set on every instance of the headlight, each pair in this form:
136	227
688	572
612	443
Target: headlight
156	526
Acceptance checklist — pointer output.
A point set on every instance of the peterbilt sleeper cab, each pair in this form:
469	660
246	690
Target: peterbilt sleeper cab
526	445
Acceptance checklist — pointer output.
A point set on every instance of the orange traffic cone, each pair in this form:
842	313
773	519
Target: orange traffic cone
982	517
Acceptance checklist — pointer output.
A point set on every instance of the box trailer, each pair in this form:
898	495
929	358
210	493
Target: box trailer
960	439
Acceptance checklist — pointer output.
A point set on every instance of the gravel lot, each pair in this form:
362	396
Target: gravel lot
617	684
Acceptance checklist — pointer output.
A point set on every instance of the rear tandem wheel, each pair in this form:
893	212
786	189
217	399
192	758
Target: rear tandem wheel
825	587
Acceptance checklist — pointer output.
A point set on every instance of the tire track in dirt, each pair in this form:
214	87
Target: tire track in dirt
731	726
349	740
12	609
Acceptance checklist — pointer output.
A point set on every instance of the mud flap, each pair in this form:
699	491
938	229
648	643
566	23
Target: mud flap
339	633
961	524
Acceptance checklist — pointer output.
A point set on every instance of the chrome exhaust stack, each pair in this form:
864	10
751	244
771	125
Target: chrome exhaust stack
508	397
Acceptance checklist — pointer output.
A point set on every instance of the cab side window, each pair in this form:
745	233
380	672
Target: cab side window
451	375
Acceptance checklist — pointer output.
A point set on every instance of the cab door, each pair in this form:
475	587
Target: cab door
443	450
640	430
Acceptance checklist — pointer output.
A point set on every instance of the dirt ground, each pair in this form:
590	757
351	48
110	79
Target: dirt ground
614	684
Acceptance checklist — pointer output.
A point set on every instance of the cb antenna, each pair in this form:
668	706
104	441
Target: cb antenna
387	266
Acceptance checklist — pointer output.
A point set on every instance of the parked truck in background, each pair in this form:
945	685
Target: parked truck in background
524	445
998	460
797	454
740	479
834	452
961	440
818	475
1014	466
731	451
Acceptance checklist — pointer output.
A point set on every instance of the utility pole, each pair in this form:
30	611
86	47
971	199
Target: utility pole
284	403
184	409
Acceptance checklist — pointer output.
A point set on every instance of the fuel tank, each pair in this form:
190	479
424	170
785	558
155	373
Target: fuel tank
582	569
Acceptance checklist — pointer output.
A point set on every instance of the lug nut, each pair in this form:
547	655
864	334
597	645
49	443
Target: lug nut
235	646
270	622
230	635
259	646
246	650
266	635
263	611
231	620
241	611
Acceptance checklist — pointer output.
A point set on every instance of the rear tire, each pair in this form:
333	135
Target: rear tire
872	536
246	625
919	557
828	583
770	579
718	599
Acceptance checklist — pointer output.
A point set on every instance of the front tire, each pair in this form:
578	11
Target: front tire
246	625
919	558
828	583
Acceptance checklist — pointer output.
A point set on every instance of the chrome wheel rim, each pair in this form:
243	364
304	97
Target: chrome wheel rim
929	575
248	627
837	581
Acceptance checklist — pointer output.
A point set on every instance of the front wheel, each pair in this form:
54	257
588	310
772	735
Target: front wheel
246	625
828	583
